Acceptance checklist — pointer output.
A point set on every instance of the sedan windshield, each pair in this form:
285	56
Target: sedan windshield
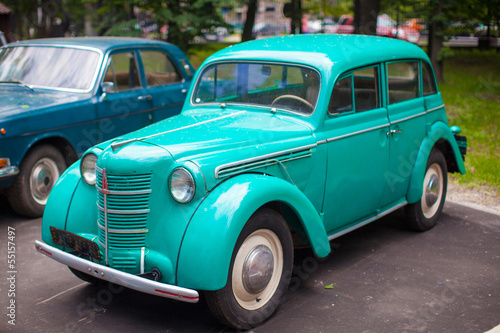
287	87
48	67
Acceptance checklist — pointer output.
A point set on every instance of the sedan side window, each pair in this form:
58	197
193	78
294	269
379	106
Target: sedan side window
428	80
159	69
122	71
402	79
366	95
341	100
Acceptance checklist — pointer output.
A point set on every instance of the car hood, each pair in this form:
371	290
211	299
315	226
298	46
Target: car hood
19	101
215	139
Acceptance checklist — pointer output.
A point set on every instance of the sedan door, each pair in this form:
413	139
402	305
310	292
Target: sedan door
358	150
166	87
125	107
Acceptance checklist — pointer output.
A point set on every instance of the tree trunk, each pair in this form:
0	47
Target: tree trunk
365	16
250	20
435	43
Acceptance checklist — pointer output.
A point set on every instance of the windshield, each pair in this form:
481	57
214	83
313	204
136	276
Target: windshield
49	67
288	87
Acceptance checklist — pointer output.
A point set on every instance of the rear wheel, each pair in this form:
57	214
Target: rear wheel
39	171
259	274
423	215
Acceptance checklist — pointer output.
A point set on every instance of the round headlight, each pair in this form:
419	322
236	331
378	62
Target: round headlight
182	185
87	168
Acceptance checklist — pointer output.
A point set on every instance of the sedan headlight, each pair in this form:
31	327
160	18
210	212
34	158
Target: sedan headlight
87	168
182	186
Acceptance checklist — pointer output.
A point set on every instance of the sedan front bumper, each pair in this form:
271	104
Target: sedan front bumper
118	277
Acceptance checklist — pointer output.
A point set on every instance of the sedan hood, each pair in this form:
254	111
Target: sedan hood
214	139
21	101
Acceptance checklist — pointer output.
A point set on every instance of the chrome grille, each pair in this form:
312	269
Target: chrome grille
122	211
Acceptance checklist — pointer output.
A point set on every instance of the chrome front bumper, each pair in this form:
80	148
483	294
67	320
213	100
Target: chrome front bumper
8	171
118	277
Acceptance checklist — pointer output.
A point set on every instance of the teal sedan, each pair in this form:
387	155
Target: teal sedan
61	96
282	143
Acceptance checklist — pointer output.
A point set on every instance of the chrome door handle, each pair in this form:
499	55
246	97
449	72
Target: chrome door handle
147	97
393	132
183	91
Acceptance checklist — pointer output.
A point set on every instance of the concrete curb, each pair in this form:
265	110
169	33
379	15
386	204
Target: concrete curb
476	207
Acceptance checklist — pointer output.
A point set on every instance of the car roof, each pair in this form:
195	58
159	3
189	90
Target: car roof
340	52
102	43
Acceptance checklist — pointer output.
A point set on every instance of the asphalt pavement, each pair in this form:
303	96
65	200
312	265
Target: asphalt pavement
380	278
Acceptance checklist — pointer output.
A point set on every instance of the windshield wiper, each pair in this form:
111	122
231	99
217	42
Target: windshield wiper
19	83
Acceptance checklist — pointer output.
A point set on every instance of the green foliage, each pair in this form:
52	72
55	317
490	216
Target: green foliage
471	92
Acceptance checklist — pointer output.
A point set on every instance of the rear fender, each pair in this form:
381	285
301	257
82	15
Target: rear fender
435	132
211	235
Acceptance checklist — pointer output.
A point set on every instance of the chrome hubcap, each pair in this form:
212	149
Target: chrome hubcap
43	176
432	190
258	269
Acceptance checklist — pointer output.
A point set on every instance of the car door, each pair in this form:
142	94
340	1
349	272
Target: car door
407	118
126	105
165	85
358	149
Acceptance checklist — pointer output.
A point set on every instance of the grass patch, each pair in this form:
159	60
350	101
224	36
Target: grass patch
471	92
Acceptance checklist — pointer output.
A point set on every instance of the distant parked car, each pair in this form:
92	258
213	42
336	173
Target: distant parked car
60	96
282	142
386	27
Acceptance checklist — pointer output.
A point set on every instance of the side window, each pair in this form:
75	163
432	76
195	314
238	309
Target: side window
159	69
402	80
341	100
366	96
122	71
428	80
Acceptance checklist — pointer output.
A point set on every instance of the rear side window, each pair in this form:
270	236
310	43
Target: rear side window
159	69
428	80
402	80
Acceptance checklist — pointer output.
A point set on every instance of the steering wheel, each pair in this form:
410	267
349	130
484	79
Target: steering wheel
297	98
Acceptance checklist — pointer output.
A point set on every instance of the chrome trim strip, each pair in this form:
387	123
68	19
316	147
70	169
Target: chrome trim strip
356	133
365	222
123	192
265	163
105	225
321	142
115	276
408	118
436	108
8	171
122	212
126	231
263	157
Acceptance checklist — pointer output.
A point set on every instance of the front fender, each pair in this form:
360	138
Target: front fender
59	201
211	235
437	131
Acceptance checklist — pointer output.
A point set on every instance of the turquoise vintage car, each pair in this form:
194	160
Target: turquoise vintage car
281	143
61	96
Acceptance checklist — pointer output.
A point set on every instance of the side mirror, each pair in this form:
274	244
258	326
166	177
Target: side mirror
106	87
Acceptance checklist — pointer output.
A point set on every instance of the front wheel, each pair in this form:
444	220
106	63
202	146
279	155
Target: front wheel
423	215
39	171
259	274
